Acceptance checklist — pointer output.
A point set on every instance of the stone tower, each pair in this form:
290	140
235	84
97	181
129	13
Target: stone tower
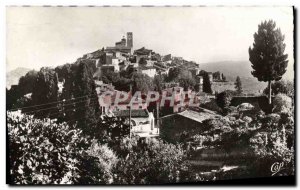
129	39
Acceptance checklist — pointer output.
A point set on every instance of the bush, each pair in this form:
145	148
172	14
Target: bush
42	152
97	164
284	87
148	161
282	103
223	99
274	142
212	105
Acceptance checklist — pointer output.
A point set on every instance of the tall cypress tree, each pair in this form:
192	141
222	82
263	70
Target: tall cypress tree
238	85
267	55
69	71
86	108
206	83
45	91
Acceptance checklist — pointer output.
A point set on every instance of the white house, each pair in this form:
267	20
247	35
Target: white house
150	71
142	121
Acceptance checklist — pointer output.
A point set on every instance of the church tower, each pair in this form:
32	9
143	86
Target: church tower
129	39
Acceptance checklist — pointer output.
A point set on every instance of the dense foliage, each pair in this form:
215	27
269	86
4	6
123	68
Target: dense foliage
182	76
223	99
252	139
282	86
149	161
45	90
85	87
43	152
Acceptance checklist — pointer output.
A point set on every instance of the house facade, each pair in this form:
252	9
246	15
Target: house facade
142	121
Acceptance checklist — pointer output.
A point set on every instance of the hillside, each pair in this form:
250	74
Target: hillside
232	69
12	77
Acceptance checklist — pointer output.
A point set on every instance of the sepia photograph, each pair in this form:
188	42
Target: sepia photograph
150	95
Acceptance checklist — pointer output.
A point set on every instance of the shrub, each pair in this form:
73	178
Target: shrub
42	152
274	142
148	161
224	98
282	103
97	164
212	105
282	86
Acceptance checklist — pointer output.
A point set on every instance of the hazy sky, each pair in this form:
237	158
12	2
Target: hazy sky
51	36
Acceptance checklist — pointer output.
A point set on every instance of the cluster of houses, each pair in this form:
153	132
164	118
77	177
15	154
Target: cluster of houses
122	57
146	61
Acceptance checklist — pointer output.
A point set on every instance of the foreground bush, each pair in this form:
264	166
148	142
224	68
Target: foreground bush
149	161
273	143
43	152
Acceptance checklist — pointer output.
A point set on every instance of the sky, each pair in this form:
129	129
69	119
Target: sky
51	36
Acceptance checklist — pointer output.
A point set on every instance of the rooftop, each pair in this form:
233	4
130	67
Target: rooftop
167	57
197	116
146	67
134	113
143	51
120	48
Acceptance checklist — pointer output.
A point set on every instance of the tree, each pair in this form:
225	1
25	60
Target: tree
88	106
12	96
206	83
158	82
267	55
186	79
223	99
141	82
182	76
217	75
173	74
26	82
15	96
238	85
45	91
96	165
284	87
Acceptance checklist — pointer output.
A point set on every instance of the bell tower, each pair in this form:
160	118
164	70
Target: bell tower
129	39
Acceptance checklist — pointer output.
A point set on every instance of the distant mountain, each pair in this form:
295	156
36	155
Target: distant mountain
12	77
232	69
229	68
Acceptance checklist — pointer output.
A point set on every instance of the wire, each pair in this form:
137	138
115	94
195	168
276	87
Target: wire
77	108
55	102
57	105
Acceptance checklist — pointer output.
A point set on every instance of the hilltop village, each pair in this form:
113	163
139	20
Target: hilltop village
118	72
145	118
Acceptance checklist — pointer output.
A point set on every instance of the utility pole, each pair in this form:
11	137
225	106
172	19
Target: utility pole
130	112
157	115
